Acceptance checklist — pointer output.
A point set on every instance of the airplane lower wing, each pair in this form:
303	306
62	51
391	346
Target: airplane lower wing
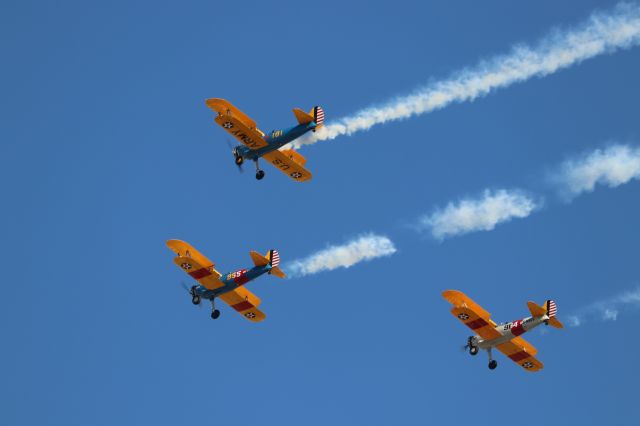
237	124
205	275
287	165
195	264
471	314
481	326
245	302
520	355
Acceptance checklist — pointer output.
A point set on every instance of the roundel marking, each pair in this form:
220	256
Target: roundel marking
227	125
463	316
186	266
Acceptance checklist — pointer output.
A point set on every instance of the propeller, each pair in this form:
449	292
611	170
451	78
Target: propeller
191	290
236	154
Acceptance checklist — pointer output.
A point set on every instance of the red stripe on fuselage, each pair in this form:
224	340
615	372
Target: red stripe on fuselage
200	273
517	329
479	323
242	306
241	280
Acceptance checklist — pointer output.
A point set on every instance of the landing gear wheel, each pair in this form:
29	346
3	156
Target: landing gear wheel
493	364
473	350
195	300
239	161
215	314
259	174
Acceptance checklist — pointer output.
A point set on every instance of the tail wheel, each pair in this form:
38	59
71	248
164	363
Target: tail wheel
473	350
215	314
493	364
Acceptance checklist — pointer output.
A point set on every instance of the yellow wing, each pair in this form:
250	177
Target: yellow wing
237	123
471	314
521	354
245	302
195	264
287	164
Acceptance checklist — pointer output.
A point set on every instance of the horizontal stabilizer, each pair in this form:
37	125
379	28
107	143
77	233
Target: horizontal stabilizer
302	117
553	322
277	272
258	259
536	310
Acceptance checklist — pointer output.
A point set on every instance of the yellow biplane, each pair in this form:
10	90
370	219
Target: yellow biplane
256	144
504	337
228	287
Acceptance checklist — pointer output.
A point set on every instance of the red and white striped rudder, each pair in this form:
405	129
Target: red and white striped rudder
274	258
318	115
552	309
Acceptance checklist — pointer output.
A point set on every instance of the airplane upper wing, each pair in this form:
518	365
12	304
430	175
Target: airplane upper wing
195	264
245	302
287	165
521	354
471	314
238	124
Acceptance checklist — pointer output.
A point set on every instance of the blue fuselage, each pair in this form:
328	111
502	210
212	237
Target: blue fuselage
276	139
233	280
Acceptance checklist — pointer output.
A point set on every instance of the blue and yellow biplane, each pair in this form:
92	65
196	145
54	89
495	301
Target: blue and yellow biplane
228	287
256	144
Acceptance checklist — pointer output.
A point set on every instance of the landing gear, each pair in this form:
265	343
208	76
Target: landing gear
492	362
239	160
259	173
473	350
214	313
195	300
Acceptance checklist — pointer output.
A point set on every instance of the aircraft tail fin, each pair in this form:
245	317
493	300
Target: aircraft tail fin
552	310
548	308
258	259
303	117
274	260
318	116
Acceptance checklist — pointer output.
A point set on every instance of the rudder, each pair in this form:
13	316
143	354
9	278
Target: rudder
318	116
274	260
552	310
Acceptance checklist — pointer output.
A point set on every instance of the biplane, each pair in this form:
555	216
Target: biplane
504	337
229	287
256	144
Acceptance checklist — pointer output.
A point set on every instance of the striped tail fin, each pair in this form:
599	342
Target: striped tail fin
552	310
274	261
318	116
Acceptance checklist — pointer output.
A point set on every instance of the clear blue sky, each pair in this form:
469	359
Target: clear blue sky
107	150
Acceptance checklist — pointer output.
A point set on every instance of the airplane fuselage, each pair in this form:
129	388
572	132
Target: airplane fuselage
232	280
511	330
276	140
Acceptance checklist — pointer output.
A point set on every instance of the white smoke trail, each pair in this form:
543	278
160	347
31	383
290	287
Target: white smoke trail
601	33
613	166
365	247
481	214
606	310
